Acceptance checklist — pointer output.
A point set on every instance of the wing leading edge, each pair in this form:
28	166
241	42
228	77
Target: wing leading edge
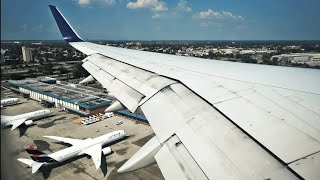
16	123
66	140
215	126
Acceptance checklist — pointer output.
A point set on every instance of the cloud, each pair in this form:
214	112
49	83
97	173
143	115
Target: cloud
86	3
110	2
214	24
156	6
219	19
182	6
166	15
215	15
156	16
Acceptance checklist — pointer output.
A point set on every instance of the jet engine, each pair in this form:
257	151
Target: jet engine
106	151
28	123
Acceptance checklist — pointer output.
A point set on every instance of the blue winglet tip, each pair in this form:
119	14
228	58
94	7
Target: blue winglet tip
68	34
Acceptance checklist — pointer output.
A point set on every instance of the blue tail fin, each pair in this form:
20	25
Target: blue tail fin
68	34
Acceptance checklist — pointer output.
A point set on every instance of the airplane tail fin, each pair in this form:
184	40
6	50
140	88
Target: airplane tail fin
34	165
37	155
68	33
32	150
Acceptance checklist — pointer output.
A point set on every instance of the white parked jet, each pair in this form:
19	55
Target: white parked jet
9	101
91	147
26	118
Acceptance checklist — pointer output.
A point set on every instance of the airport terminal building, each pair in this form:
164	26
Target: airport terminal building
63	96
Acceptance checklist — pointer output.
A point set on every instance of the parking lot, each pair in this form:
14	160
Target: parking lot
63	124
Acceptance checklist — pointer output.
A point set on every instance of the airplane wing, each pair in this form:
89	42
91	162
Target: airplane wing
213	119
16	123
66	140
33	164
95	152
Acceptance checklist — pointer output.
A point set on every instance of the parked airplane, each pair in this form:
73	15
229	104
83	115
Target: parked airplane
91	147
212	119
26	118
9	101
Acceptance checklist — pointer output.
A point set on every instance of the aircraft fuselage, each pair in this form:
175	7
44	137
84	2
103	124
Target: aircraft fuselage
77	150
28	116
10	101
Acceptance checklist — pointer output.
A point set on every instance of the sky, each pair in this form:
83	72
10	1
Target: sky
164	19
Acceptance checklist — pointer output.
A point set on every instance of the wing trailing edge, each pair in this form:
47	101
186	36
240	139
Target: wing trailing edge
95	153
16	123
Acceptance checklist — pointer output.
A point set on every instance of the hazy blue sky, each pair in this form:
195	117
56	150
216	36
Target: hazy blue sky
164	20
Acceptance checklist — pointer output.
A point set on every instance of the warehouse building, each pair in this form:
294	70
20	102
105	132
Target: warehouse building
298	57
67	97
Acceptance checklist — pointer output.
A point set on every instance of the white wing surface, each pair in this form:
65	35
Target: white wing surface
95	152
16	123
33	164
214	119
66	140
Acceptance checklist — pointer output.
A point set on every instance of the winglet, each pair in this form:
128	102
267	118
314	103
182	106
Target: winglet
68	33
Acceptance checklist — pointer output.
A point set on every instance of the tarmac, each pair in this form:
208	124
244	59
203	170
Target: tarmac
62	124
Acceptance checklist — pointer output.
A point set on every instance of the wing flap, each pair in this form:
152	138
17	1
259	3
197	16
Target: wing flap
174	155
128	96
168	165
308	167
130	85
214	142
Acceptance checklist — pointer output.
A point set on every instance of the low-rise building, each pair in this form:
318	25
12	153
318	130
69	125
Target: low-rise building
291	47
296	57
228	51
65	97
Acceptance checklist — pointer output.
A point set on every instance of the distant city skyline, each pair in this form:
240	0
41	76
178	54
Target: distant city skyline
164	20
